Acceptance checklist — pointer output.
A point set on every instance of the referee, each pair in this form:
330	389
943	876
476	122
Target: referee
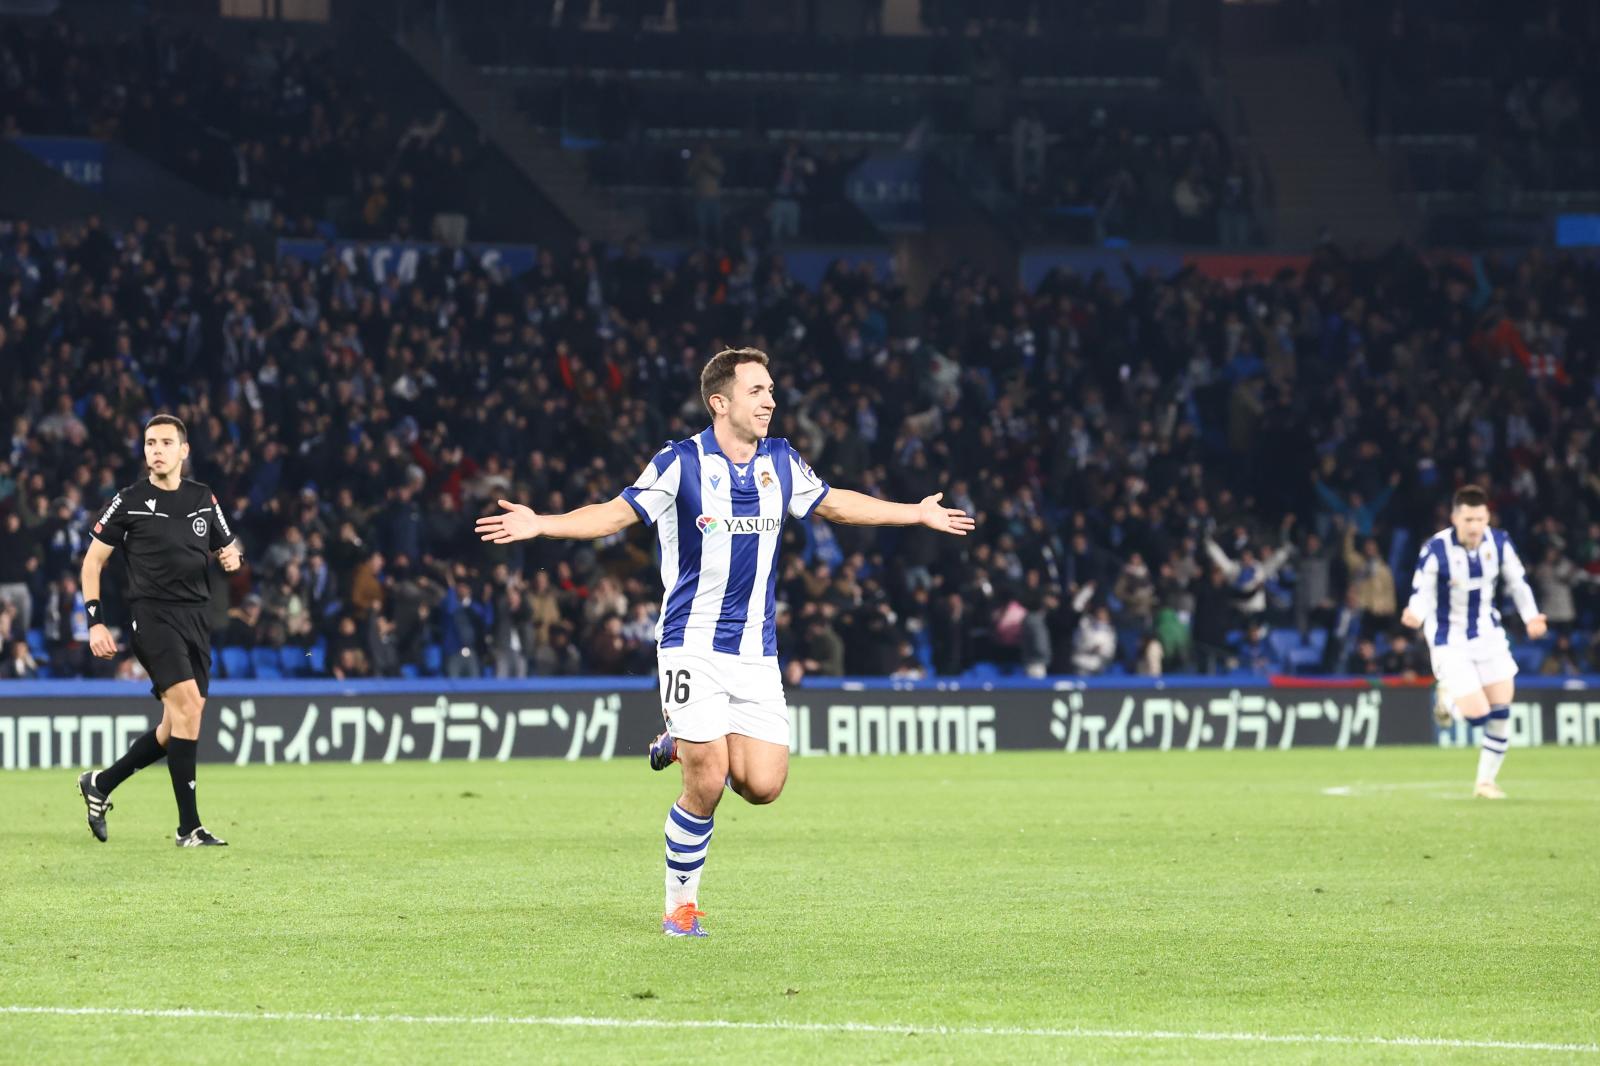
170	528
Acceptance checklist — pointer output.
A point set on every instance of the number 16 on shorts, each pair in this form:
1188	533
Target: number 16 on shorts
674	688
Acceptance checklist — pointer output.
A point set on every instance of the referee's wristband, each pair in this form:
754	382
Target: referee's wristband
93	607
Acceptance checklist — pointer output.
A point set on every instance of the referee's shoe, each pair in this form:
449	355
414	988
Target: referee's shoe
97	803
200	837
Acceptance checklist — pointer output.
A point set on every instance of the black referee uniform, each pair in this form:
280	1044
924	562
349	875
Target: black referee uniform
168	538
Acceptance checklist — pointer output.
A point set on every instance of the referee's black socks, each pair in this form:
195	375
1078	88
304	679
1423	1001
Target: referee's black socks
144	751
180	764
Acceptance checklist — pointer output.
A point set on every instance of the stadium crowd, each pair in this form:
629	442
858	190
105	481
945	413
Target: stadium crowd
290	133
1169	472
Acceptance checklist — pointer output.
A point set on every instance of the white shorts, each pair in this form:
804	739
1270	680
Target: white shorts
707	695
1465	668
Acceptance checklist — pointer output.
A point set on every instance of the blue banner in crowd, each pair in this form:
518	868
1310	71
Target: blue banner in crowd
1577	231
79	158
887	187
384	261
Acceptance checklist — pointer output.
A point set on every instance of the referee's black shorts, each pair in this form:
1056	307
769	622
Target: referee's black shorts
173	643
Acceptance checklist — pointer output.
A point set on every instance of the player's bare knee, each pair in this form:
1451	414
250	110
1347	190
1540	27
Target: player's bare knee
762	792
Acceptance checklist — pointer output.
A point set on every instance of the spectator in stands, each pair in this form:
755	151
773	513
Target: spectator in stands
1313	584
823	647
463	652
383	645
558	657
1136	591
1406	657
1370	579
794	172
1150	660
1249	574
1555	578
66	628
19	663
245	629
514	636
1364	659
1343	634
705	173
608	651
1254	652
18	563
1094	646
1562	660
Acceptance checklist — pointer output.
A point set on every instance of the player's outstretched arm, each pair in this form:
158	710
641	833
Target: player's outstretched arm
858	509
521	522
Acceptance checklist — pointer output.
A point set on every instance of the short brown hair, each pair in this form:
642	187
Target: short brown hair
719	373
169	420
1470	496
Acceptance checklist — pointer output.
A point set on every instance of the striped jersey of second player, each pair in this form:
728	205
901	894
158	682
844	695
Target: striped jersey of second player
1454	590
720	525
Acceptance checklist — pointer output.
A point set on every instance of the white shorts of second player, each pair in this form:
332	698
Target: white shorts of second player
707	695
1465	668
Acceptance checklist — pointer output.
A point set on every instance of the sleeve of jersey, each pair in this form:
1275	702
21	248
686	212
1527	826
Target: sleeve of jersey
1424	585
110	528
221	531
1517	580
657	487
809	489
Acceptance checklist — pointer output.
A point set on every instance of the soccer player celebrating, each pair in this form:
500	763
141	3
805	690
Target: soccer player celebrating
1452	601
718	501
169	528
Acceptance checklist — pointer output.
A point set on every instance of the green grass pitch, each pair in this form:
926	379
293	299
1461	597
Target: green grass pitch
1006	908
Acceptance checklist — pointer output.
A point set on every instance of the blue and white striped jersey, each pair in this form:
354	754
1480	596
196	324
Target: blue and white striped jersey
720	525
1453	590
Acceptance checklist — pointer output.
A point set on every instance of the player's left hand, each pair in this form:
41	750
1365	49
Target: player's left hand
230	557
1536	626
944	519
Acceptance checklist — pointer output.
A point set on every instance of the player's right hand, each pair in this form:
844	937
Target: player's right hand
519	522
1409	619
101	642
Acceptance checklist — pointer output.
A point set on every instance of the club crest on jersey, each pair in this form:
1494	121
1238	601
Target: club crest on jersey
766	479
199	527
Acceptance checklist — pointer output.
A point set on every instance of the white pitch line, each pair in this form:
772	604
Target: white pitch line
802	1027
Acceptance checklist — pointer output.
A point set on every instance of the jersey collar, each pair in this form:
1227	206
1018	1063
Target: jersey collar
708	441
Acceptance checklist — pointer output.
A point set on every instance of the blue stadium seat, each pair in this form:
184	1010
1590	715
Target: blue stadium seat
236	663
36	643
1528	657
268	672
264	659
433	660
319	658
1304	660
1284	643
292	660
409	671
1317	639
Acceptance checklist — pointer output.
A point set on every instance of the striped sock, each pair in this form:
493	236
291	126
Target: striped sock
688	840
1496	739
